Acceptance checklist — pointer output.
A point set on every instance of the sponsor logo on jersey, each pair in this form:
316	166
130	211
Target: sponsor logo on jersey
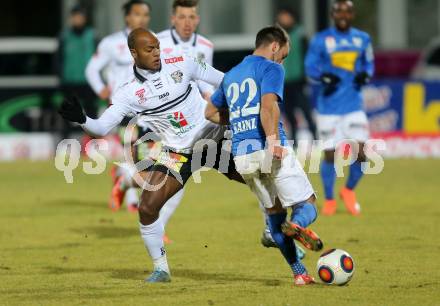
157	83
344	60
178	121
174	60
140	94
177	76
167	94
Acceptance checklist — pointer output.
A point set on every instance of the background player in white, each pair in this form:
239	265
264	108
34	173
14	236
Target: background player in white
250	94
183	38
112	65
175	113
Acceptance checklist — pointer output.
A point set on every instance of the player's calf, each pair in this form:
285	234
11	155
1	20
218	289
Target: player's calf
303	215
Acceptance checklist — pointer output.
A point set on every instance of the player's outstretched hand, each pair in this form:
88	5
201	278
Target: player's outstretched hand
330	81
72	110
361	79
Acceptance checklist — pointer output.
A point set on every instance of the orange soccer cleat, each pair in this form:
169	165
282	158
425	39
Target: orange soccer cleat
329	207
349	198
303	279
114	174
304	235
117	195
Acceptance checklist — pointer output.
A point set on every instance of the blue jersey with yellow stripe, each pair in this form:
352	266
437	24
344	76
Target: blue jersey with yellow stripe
343	54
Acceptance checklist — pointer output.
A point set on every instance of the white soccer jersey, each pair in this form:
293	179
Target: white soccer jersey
197	46
113	54
169	103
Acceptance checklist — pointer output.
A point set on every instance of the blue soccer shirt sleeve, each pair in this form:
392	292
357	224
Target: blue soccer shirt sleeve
218	98
313	61
368	57
273	80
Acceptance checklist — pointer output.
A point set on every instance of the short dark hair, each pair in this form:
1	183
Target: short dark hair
184	3
77	9
288	10
271	34
127	6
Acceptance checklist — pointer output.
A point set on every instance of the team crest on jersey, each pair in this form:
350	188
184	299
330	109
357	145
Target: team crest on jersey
141	95
330	43
177	76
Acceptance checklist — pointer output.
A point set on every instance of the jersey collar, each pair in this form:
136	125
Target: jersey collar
142	74
175	37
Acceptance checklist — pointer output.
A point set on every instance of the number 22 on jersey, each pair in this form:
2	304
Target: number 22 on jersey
233	93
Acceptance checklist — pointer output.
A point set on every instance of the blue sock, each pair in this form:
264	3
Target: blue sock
328	176
304	214
355	175
285	244
287	249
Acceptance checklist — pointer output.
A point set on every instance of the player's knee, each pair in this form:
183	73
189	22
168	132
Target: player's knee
362	157
147	209
329	156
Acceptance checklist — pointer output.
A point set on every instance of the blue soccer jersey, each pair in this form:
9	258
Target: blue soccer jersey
343	54
241	92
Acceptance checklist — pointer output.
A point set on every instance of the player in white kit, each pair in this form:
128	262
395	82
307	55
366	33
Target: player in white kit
112	65
162	91
182	38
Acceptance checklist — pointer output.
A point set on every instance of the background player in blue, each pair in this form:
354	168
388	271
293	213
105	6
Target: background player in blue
248	100
341	59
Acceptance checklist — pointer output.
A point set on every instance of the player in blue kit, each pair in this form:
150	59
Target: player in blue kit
248	100
341	59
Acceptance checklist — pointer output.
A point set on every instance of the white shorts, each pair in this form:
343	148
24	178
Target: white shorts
332	129
285	179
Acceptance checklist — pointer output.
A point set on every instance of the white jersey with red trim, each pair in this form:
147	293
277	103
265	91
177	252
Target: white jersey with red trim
112	53
197	46
167	101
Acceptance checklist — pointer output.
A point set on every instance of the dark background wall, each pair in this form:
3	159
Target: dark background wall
30	18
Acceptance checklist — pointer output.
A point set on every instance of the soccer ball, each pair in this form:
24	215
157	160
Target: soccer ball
335	267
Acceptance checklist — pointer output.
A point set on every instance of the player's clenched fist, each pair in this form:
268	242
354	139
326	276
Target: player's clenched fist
72	110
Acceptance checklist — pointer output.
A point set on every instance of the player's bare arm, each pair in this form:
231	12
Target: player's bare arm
270	116
216	115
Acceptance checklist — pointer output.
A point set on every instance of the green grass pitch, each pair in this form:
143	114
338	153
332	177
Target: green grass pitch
60	245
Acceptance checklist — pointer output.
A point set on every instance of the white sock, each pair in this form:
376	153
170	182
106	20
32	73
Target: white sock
263	210
152	235
170	206
131	196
